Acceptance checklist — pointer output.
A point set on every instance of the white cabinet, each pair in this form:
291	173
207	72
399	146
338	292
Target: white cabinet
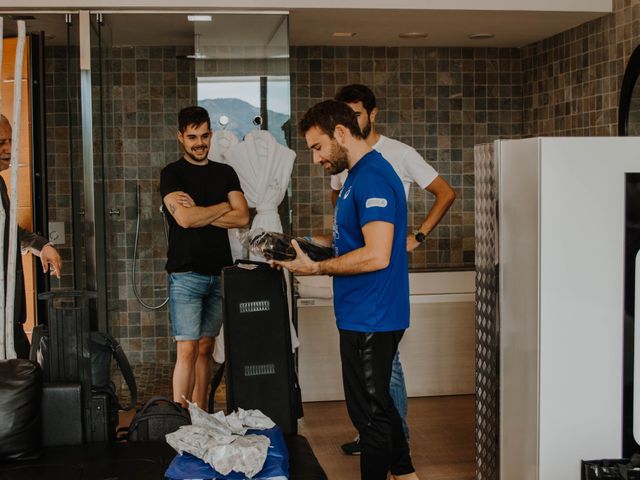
561	229
437	351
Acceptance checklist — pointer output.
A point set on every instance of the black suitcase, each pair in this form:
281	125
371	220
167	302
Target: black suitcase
68	357
260	371
61	414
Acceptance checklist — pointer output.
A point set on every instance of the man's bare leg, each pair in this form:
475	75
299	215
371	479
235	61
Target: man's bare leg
203	371
184	371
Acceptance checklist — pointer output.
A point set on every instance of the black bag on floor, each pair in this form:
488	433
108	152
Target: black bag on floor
104	405
155	419
103	348
20	403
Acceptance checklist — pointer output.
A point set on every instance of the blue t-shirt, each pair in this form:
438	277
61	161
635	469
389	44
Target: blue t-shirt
374	301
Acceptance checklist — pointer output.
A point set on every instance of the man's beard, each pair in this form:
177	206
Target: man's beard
367	129
338	159
195	158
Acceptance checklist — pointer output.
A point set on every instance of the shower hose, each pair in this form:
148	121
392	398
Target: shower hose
135	255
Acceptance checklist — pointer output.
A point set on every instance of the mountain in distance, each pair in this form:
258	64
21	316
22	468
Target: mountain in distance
241	115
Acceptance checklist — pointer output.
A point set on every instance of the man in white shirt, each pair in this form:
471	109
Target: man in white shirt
411	168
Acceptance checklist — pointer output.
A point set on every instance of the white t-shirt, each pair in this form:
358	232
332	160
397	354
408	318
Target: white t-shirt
408	164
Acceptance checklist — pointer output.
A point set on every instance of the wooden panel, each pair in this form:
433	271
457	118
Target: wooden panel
25	187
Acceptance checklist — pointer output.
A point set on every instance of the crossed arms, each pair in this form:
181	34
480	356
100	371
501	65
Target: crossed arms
234	213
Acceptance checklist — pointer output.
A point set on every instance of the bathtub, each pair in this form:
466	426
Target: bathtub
437	351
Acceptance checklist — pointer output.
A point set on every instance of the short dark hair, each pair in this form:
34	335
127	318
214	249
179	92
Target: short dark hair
326	115
357	93
193	115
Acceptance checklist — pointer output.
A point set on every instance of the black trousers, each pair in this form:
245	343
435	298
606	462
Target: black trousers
366	372
20	341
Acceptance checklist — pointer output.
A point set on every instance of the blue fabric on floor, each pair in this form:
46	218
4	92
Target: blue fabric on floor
276	465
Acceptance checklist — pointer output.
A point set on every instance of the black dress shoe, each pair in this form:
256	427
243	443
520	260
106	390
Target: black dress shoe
351	448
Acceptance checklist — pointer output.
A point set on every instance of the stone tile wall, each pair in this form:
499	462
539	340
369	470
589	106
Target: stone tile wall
441	101
572	81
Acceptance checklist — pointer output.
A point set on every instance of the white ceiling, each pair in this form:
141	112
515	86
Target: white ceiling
446	28
373	27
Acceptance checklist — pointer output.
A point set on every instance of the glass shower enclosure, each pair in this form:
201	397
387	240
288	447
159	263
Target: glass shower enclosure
145	67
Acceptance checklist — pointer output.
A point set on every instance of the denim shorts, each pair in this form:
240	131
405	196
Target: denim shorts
195	305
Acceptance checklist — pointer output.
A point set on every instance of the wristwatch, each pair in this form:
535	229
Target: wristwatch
420	237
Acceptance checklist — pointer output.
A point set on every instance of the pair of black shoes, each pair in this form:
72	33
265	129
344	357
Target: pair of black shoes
352	448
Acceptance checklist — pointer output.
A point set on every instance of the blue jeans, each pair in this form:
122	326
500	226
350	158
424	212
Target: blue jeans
398	392
195	305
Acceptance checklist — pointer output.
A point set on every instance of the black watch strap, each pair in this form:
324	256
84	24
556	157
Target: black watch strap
420	237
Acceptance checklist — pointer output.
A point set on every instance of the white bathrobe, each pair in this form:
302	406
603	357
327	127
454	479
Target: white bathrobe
264	168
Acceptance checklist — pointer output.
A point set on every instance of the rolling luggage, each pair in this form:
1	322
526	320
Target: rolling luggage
61	414
260	371
68	351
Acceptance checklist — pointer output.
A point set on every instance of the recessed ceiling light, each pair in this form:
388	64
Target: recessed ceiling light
199	18
481	36
411	35
343	34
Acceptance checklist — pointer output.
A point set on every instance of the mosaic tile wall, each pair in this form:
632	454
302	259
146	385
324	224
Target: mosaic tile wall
150	86
441	101
572	81
63	122
147	86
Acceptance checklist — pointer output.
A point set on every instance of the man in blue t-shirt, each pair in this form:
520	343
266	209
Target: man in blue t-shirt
370	283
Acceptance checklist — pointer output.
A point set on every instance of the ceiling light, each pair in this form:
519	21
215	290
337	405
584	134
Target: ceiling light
343	34
481	36
197	55
199	18
413	35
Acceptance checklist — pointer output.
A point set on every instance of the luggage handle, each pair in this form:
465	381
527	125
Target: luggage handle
155	400
249	262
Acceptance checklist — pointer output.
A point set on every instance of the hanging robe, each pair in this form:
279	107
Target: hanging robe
264	168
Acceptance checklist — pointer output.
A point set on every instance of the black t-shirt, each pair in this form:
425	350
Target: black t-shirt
205	249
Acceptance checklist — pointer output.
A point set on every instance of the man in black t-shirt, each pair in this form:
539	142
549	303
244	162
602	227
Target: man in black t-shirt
202	199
